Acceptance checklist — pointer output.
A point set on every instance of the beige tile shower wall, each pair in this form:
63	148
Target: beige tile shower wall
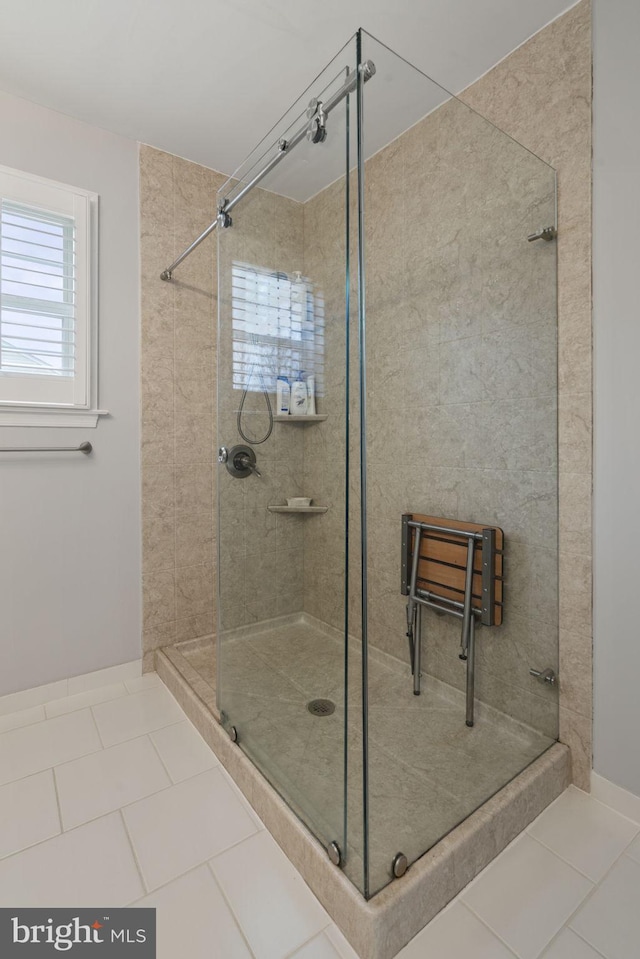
177	200
461	370
461	388
461	347
262	574
541	95
324	443
262	557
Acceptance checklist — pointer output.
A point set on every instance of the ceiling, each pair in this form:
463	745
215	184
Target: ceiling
207	79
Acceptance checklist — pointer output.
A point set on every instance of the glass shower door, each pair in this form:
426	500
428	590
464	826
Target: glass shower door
461	428
283	278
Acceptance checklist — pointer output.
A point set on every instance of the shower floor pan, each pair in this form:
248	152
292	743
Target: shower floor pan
427	771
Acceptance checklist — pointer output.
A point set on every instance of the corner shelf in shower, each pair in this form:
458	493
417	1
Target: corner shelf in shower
311	418
298	509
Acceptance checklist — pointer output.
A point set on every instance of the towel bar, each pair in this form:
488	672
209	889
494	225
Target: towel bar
83	448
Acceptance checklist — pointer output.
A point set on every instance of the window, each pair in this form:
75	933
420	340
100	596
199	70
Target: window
278	328
47	301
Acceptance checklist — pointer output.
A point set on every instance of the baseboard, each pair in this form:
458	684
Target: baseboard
27	698
619	799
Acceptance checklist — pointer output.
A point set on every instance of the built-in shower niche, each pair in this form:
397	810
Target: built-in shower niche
382	237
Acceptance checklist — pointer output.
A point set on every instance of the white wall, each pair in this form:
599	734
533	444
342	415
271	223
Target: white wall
617	390
70	524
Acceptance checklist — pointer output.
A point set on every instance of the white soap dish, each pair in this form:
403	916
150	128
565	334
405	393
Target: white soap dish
299	501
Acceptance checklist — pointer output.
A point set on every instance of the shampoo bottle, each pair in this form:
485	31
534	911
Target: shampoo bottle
299	396
283	395
311	395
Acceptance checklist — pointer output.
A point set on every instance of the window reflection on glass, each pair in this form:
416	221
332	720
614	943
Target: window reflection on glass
278	328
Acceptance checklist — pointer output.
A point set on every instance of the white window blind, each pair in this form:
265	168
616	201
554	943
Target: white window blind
47	300
278	328
37	290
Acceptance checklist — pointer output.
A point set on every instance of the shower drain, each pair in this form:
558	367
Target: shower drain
321	707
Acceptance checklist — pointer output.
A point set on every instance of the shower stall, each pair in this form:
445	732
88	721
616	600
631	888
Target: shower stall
392	250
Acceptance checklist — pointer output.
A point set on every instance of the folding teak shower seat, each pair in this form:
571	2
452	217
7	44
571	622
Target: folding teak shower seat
453	568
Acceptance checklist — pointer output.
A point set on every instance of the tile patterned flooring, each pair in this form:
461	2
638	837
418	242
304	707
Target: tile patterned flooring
427	770
129	778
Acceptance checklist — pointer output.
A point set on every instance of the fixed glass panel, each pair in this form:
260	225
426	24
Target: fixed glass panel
282	298
461	346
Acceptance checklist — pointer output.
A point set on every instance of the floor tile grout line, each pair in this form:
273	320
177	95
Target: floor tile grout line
341	954
233	845
63	832
68	695
590	944
567	922
478	878
40	842
292	953
69	712
485	924
35	772
611	809
583	901
572	789
541	842
95	723
120	742
22	709
192	868
596	888
109	812
58	804
566	928
229	906
623	852
156	792
133	850
635	821
45	716
36	722
228	778
162	762
634	857
39	722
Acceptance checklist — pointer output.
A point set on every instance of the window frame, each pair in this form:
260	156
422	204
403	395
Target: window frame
38	408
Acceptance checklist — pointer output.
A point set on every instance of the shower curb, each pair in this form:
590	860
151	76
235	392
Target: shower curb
380	927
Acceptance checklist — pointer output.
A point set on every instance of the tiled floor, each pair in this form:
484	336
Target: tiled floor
421	753
118	801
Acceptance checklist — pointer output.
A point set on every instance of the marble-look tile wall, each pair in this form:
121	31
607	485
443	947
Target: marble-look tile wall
177	199
462	371
541	95
262	554
461	391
